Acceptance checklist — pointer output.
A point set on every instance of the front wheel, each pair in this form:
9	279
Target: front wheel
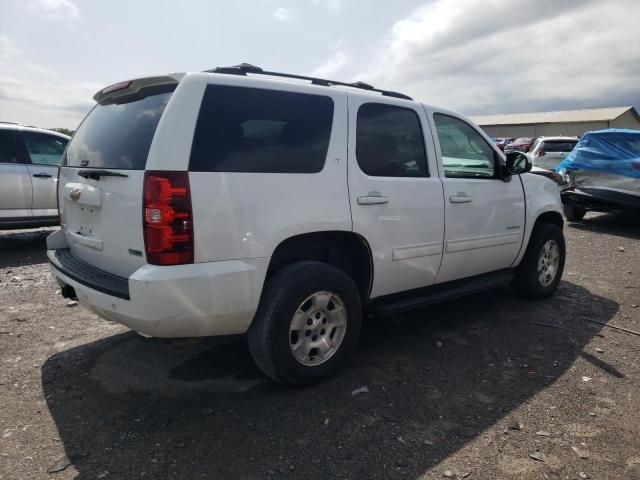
539	273
307	324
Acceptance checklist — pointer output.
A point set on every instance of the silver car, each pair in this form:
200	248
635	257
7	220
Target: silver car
29	159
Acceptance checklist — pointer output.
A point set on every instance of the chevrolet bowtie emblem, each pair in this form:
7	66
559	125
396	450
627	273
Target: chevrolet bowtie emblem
75	195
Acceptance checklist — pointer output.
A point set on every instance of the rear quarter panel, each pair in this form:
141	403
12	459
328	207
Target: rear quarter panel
240	215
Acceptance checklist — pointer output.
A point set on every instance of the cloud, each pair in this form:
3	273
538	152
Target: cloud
334	6
505	56
334	64
55	9
8	50
35	94
282	14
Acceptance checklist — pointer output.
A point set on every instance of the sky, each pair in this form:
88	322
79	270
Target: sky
473	56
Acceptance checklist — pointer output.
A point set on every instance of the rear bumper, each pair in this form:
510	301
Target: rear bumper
202	299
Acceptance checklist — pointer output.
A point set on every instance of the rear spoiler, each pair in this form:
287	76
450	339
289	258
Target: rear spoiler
132	90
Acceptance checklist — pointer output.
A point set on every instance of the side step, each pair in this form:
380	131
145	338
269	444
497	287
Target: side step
405	301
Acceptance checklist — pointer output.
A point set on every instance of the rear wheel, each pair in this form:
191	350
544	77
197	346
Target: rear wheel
573	213
539	273
307	324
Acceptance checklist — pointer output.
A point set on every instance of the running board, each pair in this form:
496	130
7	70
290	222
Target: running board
405	301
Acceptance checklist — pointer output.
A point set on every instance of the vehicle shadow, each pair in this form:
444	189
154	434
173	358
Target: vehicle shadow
23	247
622	224
436	379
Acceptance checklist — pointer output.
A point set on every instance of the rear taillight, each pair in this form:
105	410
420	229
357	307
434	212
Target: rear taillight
167	218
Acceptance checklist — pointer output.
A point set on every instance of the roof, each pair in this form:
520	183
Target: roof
585	115
28	128
558	138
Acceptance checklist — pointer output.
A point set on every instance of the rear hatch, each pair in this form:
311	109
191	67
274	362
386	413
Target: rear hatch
102	174
552	152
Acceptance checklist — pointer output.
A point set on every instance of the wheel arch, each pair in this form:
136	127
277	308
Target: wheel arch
551	216
345	250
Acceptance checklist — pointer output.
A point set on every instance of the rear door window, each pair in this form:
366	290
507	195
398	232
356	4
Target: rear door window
257	130
117	136
44	149
8	147
556	146
389	142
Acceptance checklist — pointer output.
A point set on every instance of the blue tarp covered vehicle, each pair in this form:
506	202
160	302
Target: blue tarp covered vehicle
602	173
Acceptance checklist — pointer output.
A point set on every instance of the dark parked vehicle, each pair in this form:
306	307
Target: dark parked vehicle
522	144
502	142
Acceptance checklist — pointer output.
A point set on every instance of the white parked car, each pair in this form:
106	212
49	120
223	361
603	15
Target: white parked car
29	159
548	152
234	201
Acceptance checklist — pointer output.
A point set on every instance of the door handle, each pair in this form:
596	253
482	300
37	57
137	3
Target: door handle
373	200
460	197
42	175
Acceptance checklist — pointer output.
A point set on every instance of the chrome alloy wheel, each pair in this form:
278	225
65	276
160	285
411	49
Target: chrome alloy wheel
548	262
317	328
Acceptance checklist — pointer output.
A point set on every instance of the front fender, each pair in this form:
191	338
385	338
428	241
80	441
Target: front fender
542	195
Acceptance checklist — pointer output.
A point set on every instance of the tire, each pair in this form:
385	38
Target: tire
573	213
274	334
531	280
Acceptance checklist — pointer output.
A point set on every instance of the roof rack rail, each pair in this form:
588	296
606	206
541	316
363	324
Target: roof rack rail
245	68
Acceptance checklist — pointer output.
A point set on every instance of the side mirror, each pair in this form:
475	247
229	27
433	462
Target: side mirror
517	163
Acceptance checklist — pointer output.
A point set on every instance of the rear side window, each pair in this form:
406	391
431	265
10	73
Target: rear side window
8	148
257	130
117	135
44	149
556	146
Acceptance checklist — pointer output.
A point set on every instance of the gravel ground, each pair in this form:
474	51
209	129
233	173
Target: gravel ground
491	387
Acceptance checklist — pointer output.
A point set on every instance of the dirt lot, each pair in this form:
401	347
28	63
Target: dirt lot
490	387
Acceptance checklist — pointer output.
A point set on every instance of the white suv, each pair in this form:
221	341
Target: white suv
29	159
548	152
240	201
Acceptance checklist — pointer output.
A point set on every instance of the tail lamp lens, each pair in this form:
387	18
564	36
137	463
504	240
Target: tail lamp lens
167	218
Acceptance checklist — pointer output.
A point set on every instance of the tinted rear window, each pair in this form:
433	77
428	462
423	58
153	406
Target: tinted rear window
117	135
555	146
389	142
8	147
257	130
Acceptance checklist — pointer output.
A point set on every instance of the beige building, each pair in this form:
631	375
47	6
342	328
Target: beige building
568	122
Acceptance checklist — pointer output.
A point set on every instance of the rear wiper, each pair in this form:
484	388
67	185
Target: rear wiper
96	174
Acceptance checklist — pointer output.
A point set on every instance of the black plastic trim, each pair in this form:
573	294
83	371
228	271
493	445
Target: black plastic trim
600	199
421	297
28	222
245	68
64	262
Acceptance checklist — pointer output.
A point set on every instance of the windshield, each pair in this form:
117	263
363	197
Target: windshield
117	135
